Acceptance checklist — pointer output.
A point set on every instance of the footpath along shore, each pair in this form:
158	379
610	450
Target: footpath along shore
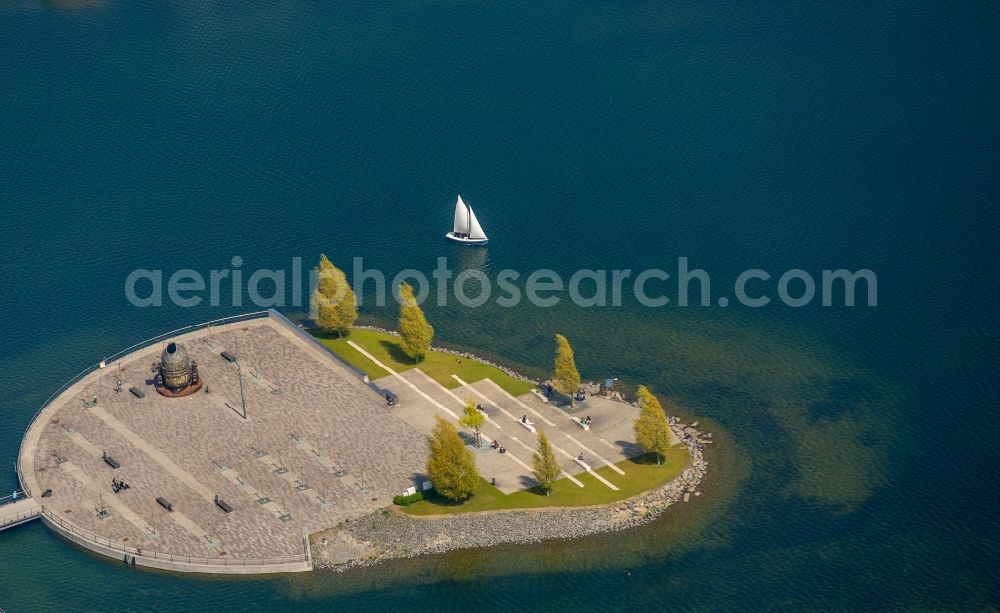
386	534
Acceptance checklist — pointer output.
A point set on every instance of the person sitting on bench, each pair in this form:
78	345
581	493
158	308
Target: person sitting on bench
524	420
495	444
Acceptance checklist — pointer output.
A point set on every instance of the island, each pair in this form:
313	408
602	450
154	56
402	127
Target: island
254	444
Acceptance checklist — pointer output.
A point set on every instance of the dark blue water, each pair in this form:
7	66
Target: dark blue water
857	445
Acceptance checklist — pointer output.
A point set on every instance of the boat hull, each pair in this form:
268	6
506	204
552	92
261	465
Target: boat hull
466	240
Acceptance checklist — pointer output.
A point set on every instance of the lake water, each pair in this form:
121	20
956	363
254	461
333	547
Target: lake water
856	453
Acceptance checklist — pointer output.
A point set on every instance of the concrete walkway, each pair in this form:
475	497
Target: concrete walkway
402	379
16	513
487	431
557	432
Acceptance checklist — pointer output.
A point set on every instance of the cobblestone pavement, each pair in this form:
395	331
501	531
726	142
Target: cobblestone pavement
308	420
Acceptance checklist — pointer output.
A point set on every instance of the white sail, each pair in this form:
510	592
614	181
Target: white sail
461	217
475	230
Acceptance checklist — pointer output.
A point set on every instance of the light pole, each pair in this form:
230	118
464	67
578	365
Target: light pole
243	402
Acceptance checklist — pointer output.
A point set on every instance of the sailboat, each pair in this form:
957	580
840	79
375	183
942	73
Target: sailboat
467	229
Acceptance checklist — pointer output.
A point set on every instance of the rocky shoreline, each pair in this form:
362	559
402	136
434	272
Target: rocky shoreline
387	534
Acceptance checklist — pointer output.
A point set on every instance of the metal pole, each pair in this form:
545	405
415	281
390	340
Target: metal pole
239	373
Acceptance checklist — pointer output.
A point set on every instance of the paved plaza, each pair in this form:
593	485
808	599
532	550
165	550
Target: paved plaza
318	447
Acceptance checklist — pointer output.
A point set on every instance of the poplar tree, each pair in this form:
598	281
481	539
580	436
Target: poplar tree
652	431
336	305
566	378
544	463
473	419
416	334
450	465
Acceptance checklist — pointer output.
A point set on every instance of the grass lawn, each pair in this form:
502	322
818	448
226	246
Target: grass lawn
641	474
439	365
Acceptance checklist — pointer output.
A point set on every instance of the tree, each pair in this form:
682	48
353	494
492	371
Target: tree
473	419
544	463
336	304
416	334
652	431
450	466
566	378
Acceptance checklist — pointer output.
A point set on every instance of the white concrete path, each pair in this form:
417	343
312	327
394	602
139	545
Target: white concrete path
568	436
426	397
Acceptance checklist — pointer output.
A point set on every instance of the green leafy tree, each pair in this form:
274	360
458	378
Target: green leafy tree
566	378
336	304
652	431
544	463
450	465
416	334
473	419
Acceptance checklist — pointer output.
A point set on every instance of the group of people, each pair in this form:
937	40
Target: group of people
585	421
119	485
498	446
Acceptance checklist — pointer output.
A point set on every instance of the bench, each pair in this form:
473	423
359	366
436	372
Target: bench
229	355
163	503
138	393
222	504
529	426
580	423
111	461
540	395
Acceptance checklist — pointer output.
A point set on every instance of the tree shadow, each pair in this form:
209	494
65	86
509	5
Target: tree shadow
438	500
630	449
536	489
396	352
469	438
329	336
646	459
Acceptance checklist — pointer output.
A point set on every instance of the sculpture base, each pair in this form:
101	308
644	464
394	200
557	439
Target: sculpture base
184	391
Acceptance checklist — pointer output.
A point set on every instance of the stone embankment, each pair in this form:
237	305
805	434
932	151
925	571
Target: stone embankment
388	533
